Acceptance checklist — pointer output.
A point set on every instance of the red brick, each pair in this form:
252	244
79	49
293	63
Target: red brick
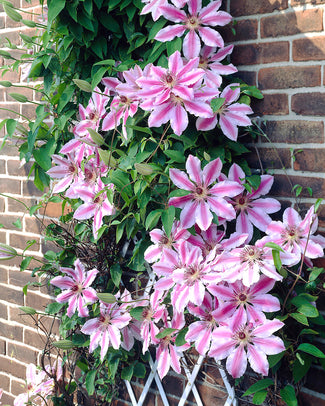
210	395
10	186
16	207
312	104
22	353
309	49
21	241
249	7
33	226
272	104
19	316
295	132
292	23
8	109
17	387
36	301
4	382
266	52
271	158
12	332
7	399
243	30
3	311
9	149
28	110
286	77
11	366
14	37
302	2
29	189
20	279
309	160
3	275
2	22
34	339
54	210
11	295
282	187
248	77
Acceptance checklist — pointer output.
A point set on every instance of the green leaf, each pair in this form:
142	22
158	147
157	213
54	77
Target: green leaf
168	217
289	396
176	156
259	385
217	103
300	369
277	259
106	297
53	308
127	372
174	45
90	381
11	125
116	274
311	349
259	397
165	332
97	77
139	370
109	62
136	312
17	223
252	91
5	54
83	85
180	339
96	137
300	318
54	8
28	310
315	272
274	359
152	219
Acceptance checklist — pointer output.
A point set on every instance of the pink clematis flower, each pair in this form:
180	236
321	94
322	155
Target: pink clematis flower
236	297
168	354
243	340
105	330
210	62
201	331
251	208
65	169
77	291
230	115
295	235
37	385
202	199
153	7
195	21
162	242
96	204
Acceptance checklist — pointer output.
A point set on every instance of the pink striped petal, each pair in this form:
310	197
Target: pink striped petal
220	18
237	362
211	37
269	205
180	201
191	45
173	14
160	115
170	32
226	188
222	209
178	119
180	179
257	360
206	124
85	211
265	186
199	109
229	129
188	214
193	168
211	171
259	218
194	6
203	216
291	217
63	282
270	345
175	63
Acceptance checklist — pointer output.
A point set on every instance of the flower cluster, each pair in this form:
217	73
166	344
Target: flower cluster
212	273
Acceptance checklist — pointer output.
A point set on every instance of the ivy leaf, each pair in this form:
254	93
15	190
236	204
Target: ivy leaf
300	318
127	372
53	308
139	370
152	219
165	332
116	274
180	339
217	103
136	313
259	397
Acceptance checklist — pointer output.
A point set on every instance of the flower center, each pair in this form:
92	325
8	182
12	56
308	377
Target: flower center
292	234
147	314
72	168
200	193
192	23
251	254
203	64
93	116
242	297
123	99
191	274
242	335
90	176
99	199
76	288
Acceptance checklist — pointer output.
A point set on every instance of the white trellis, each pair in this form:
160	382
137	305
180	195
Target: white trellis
191	376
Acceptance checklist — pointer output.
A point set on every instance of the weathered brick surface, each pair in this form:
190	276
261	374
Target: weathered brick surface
272	104
292	23
244	30
266	52
281	186
295	131
270	158
309	104
249	7
309	160
286	77
309	49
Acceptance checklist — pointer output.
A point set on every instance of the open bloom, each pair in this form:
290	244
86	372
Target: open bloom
295	235
195	21
243	340
96	204
230	115
153	7
37	387
77	291
105	330
202	199
250	207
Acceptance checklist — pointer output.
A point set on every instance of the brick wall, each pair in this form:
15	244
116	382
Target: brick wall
20	342
280	47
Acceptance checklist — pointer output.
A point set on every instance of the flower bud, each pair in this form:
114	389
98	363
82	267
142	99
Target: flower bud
144	169
7	252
